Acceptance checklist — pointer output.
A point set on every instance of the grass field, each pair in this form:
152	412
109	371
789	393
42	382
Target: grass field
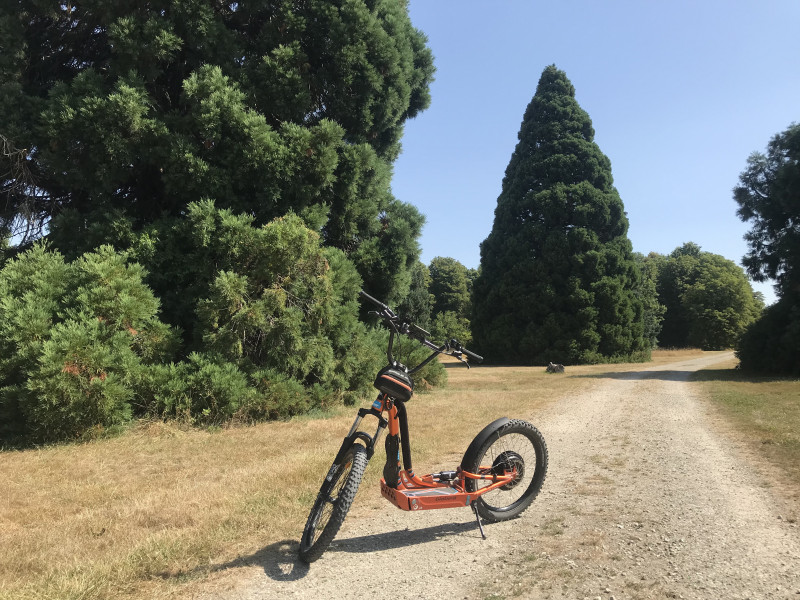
153	512
764	411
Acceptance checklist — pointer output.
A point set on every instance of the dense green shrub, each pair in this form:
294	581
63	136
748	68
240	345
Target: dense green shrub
80	383
73	337
278	397
31	289
268	299
214	390
206	390
274	331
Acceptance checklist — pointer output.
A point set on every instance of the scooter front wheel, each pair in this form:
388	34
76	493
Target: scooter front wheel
333	501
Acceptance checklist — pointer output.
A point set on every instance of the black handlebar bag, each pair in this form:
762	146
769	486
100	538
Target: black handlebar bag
395	382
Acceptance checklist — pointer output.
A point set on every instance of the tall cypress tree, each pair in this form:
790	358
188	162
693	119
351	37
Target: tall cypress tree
558	278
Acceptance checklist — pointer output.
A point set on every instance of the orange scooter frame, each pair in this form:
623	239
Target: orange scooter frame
435	490
424	493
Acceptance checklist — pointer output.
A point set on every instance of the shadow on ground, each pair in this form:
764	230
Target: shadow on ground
729	375
402	539
671	375
280	561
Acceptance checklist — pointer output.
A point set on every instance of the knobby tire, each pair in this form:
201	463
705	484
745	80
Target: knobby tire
333	502
513	444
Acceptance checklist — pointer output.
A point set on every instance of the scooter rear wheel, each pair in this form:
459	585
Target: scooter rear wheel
512	447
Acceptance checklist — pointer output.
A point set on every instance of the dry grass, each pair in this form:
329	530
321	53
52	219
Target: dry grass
133	515
765	411
150	513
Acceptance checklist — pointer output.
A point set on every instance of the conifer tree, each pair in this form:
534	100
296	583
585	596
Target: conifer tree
116	114
768	195
558	279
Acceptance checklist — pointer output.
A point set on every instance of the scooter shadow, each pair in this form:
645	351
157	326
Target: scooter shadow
280	561
401	539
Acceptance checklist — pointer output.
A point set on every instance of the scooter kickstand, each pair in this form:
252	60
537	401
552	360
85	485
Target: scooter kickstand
478	517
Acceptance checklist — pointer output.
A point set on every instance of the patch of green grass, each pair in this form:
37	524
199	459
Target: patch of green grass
764	410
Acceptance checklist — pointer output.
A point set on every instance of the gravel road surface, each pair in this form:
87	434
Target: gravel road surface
646	497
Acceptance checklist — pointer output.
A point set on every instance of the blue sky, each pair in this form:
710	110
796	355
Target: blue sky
679	93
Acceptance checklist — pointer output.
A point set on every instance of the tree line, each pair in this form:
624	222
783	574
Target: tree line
690	298
193	194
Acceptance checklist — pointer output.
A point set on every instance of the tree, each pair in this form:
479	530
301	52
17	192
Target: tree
450	290
418	302
558	280
449	286
708	299
450	325
648	294
674	274
768	195
124	113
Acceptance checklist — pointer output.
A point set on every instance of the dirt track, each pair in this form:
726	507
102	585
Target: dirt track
644	499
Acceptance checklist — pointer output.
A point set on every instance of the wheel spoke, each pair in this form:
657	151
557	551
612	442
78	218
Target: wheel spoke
507	445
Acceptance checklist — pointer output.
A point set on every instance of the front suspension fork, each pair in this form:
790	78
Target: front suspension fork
354	434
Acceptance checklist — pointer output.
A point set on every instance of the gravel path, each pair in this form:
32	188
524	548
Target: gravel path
644	499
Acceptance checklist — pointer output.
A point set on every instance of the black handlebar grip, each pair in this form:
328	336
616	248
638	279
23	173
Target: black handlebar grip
377	303
476	357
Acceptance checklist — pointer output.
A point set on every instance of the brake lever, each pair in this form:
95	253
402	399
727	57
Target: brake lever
454	349
460	357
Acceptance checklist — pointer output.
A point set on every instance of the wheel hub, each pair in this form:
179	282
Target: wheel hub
509	462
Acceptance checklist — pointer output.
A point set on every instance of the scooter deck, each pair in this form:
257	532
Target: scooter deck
407	496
